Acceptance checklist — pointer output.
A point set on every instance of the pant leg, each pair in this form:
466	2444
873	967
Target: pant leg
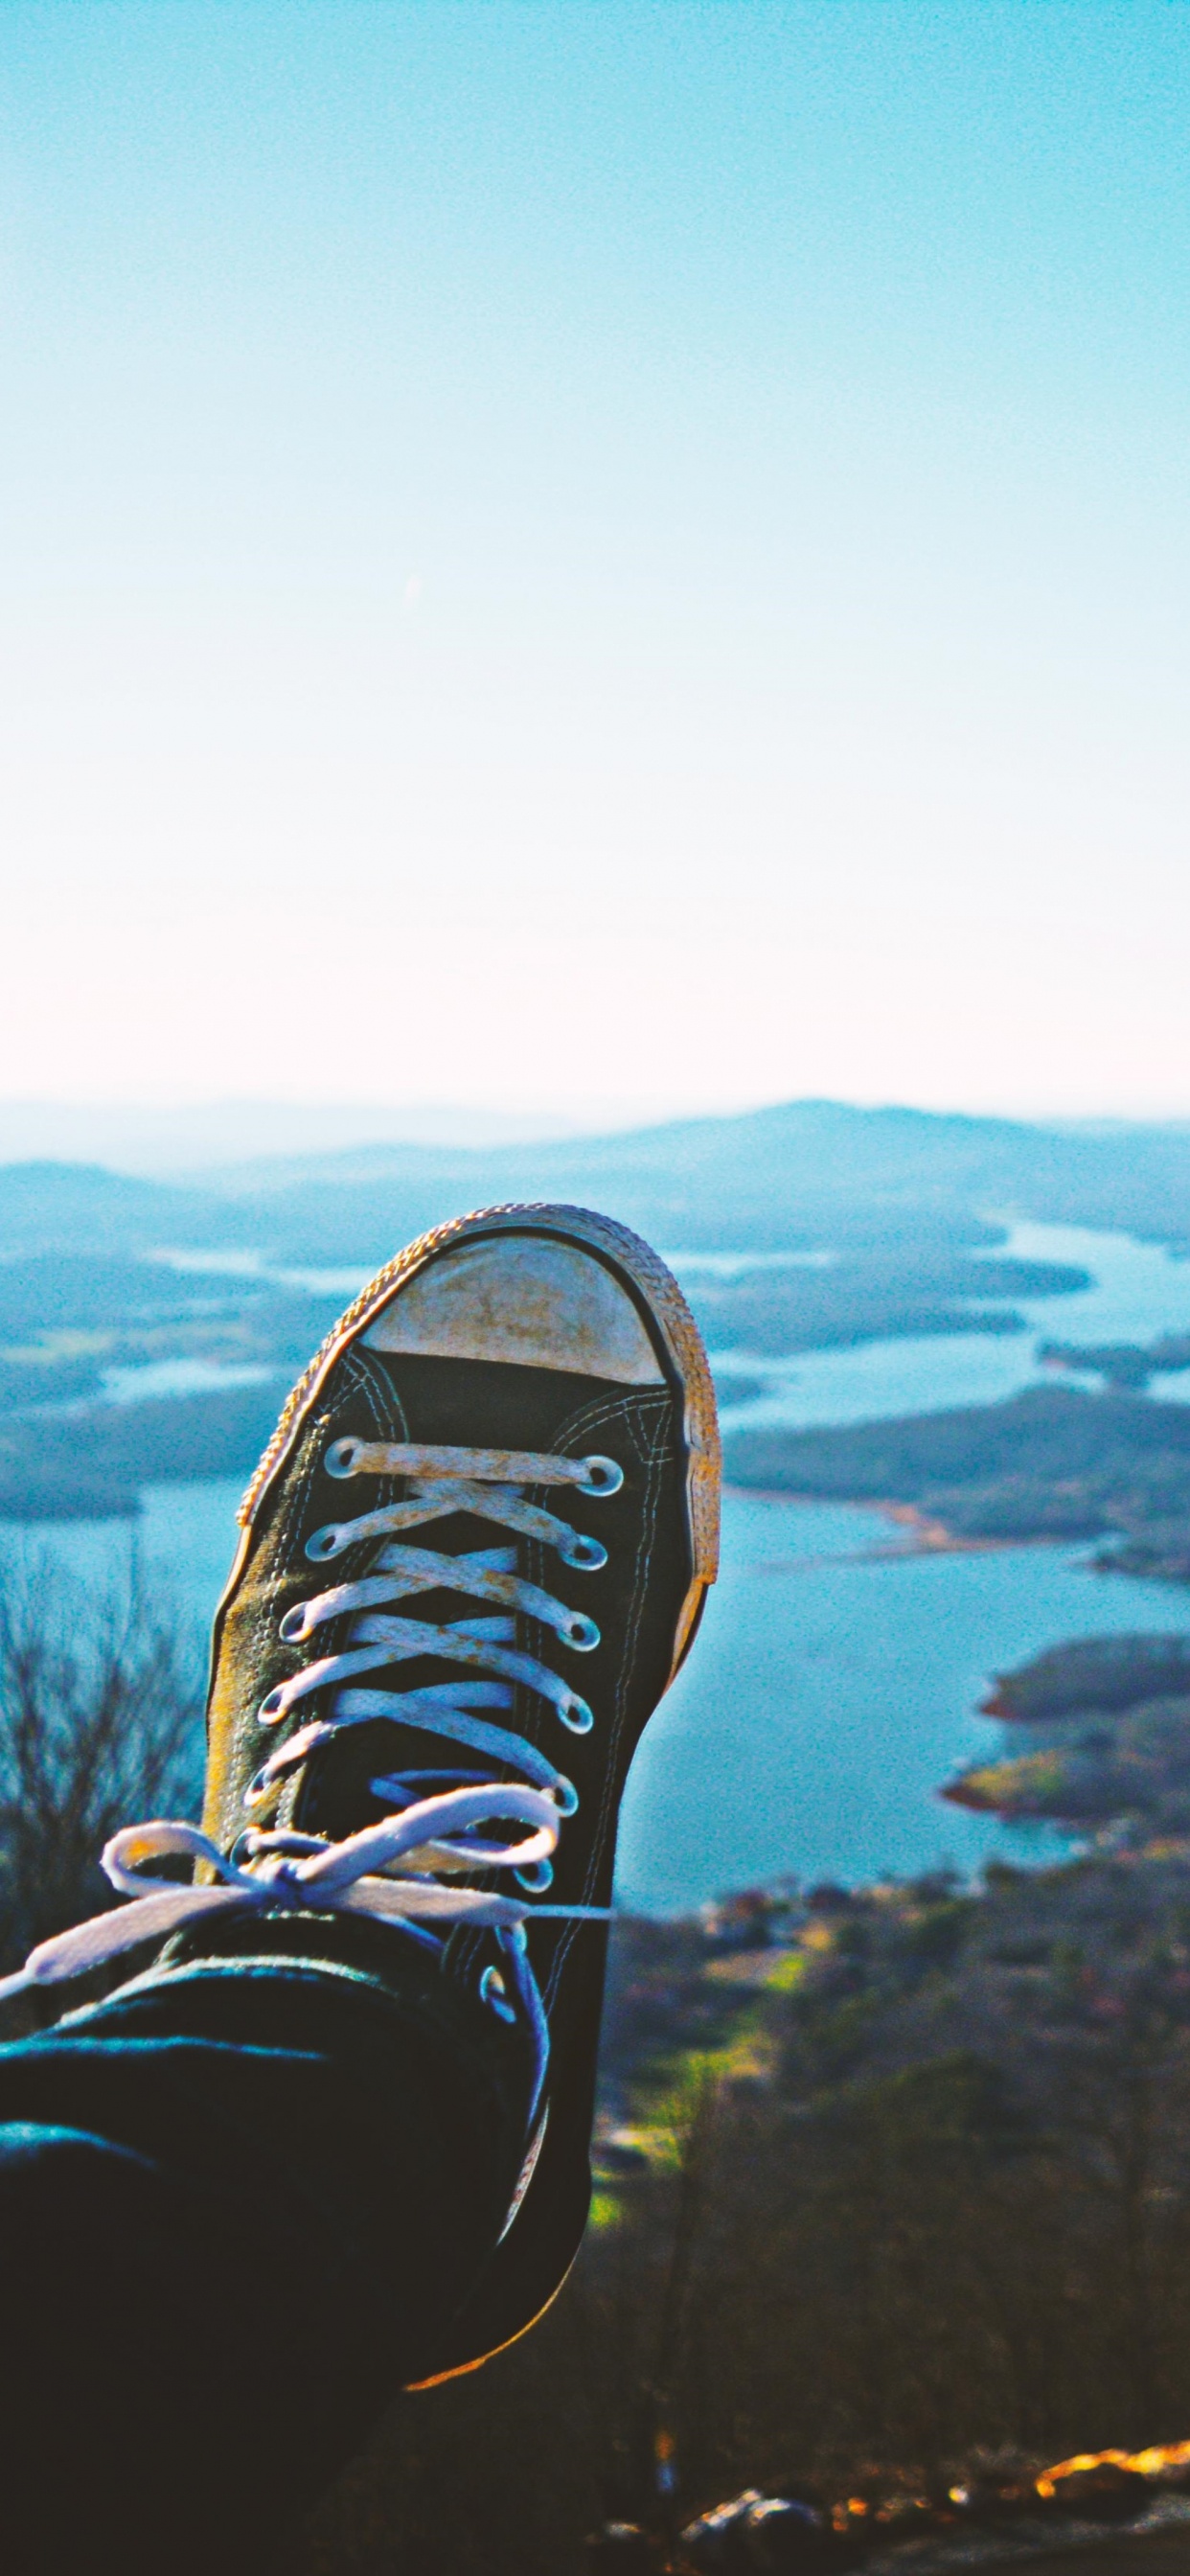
234	2206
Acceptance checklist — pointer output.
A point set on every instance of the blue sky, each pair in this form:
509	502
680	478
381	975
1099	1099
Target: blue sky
595	558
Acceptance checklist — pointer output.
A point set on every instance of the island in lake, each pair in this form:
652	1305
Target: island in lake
1096	1738
882	1292
1128	1367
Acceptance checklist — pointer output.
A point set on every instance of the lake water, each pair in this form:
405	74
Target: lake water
833	1686
1139	1291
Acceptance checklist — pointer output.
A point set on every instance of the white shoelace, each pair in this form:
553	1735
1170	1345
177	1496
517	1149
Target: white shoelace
393	1872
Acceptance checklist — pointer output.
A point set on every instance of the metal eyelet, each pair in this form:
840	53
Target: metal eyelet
286	1630
340	1458
492	1991
586	1555
603	1476
239	1852
326	1542
564	1795
258	1787
272	1707
538	1878
575	1714
580	1633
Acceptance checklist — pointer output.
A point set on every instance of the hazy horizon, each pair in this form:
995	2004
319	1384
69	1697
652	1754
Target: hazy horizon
170	1140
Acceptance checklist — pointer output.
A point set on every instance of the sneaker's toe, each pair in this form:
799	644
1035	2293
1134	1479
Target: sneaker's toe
526	1298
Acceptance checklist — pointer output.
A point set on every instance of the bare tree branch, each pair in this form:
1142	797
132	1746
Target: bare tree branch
100	1710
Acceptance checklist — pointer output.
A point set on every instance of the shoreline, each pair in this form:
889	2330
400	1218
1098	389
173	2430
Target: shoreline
932	1537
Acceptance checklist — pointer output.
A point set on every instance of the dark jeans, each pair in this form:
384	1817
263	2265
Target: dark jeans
235	2208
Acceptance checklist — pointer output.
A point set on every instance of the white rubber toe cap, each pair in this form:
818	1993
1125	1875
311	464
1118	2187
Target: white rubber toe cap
521	1297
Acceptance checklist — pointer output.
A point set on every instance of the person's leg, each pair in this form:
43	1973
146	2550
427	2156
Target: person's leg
235	2206
319	2152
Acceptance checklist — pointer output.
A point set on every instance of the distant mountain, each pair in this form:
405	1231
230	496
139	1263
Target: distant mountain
803	1174
830	1143
171	1143
78	1207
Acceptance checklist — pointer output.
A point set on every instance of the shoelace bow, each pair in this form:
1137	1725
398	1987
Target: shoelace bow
393	1871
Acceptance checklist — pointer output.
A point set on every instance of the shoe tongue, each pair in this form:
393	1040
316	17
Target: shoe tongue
492	1404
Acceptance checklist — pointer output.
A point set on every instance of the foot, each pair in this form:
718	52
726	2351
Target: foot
473	1558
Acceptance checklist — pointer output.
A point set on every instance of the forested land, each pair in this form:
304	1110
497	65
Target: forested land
1128	1367
878	1294
1096	1738
893	2197
68	1320
1051	1462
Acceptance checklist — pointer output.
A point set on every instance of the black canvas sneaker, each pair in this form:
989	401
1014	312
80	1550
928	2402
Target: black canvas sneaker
473	1558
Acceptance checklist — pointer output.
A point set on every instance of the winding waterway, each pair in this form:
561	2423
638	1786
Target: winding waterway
1139	1290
